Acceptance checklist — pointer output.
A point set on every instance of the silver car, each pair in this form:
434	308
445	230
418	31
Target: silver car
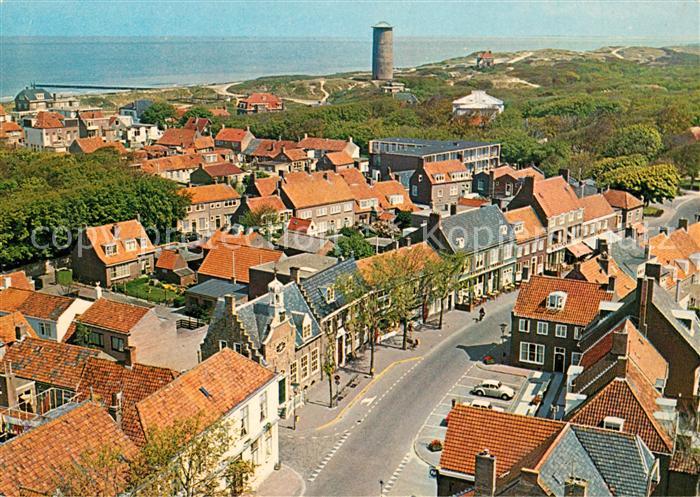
493	388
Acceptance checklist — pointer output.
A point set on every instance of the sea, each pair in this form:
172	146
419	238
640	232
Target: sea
174	61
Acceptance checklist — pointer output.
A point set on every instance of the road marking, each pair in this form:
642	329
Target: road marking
326	459
368	400
397	472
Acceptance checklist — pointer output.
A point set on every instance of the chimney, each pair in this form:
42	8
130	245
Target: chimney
577	266
230	304
619	343
697	217
528	187
575	487
350	139
433	220
647	252
679	293
485	474
645	293
653	270
306	135
98	291
115	230
115	409
604	262
683	224
611	284
453	209
663	229
565	173
294	274
6	282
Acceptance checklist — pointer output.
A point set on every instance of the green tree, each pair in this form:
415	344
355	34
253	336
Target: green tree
352	244
602	166
196	111
635	139
654	183
159	113
443	277
687	158
264	217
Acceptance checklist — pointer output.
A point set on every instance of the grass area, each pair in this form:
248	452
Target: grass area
64	277
650	211
142	288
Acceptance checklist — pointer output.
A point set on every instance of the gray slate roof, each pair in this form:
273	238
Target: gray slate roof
607	460
301	242
33	93
307	263
216	288
256	315
480	228
628	256
430	147
314	288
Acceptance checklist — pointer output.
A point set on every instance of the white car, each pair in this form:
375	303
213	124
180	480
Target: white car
493	388
485	404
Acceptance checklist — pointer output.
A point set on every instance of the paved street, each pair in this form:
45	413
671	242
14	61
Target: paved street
686	206
375	436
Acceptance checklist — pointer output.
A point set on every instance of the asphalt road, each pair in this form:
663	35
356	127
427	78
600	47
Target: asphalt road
683	207
375	449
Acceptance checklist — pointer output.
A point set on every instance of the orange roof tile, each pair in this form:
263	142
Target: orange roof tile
9	324
593	271
293	154
114	316
34	304
271	148
92	144
222	169
595	207
118	234
266	186
413	256
234	135
205	194
101	379
622	200
172	163
220	262
298	224
223	239
581	306
391	188
203	142
339	158
508	437
320	188
168	259
178	137
48	120
271	201
267	99
91	114
46	361
324	144
9	127
446	168
555	196
229	379
219	112
18	279
34	461
472	202
527	225
517	173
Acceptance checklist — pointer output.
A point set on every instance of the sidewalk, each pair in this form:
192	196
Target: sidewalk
285	482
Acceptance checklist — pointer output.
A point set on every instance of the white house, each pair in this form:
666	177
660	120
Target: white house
477	102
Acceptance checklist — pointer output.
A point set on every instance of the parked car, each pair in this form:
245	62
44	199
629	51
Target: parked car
493	388
485	404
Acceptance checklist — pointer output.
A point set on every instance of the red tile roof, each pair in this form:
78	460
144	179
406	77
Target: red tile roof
9	127
34	304
527	218
269	149
102	379
222	169
413	257
593	271
581	306
472	202
267	99
320	188
266	186
91	114
230	263
18	279
219	112
234	135
223	239
46	361
517	173
595	207
447	168
271	201
635	402
33	463
555	196
622	200
197	123
391	188
292	154
340	158
205	194
298	224
172	163
178	137
508	437
118	234
228	377
203	142
48	120
168	260
114	316
92	144
8	325
324	144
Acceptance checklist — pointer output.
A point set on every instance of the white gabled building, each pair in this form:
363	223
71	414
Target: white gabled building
477	102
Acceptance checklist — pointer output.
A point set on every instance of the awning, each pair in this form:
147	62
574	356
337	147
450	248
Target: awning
579	250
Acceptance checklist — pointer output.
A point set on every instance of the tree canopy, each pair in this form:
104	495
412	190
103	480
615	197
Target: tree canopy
654	183
159	113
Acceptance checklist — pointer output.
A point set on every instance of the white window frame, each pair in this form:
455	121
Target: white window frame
542	328
558	330
578	331
304	370
315	361
538	350
524	325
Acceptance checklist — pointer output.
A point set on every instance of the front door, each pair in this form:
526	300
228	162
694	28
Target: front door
559	359
340	351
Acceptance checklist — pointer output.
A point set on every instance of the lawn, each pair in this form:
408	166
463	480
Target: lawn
64	277
140	288
650	211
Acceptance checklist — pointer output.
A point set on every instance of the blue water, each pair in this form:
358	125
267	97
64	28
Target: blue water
176	61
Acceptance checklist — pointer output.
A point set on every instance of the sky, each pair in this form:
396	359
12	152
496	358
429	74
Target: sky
351	19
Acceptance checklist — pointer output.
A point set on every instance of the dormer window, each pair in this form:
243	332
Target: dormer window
460	242
439	177
330	294
110	248
306	327
130	245
613	423
556	301
519	226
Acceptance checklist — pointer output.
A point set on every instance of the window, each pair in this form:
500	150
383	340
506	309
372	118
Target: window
305	214
255	452
244	421
507	251
117	344
293	376
330	294
335	209
556	300
524	325
321	211
110	248
560	331
541	245
268	444
460	242
479	263
315	363
306	329
130	245
575	358
118	272
532	353
493	256
223	344
439	192
577	332
542	328
527	249
96	339
229	203
263	406
347	207
304	366
454	190
237	347
44	329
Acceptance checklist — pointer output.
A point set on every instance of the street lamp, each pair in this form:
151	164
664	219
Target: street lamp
295	390
504	335
381	488
337	388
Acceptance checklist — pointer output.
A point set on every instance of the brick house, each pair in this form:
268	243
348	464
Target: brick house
440	184
503	181
221	172
319	147
366	205
93	144
94	123
112	253
11	133
172	267
531	242
180	140
50	131
231	263
277	329
212	207
50	316
256	103
603	269
278	214
629	207
548	321
234	138
323	197
287	160
599	218
335	161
